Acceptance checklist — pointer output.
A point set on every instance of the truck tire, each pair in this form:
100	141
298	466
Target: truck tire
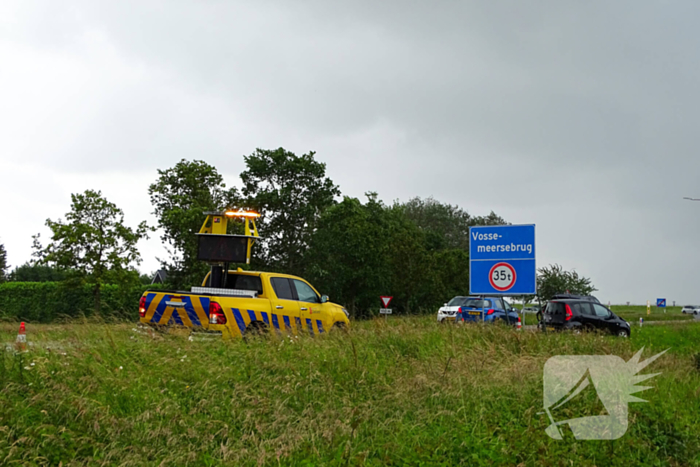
257	329
339	328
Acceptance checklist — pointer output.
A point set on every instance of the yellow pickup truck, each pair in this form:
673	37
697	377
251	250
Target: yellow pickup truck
250	302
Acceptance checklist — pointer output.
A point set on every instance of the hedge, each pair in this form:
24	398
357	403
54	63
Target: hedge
44	302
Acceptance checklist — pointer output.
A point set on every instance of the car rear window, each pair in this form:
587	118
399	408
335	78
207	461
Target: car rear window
244	282
477	303
555	308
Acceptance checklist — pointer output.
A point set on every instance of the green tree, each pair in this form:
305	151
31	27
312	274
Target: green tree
33	272
180	197
445	260
3	263
553	279
93	242
349	254
291	192
446	226
417	252
146	279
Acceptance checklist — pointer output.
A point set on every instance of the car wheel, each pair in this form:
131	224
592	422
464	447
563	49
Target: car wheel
623	333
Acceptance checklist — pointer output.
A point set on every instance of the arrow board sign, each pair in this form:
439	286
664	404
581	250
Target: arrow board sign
386	300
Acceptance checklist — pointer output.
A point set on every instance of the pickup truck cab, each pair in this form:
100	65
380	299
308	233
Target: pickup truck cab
250	302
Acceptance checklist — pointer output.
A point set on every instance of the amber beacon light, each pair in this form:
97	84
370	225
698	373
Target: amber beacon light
241	213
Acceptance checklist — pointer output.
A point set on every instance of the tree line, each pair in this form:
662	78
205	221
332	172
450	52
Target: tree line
353	250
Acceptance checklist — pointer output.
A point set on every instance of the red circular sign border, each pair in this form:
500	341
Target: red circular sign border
512	269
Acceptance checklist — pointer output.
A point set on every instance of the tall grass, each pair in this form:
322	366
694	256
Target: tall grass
389	392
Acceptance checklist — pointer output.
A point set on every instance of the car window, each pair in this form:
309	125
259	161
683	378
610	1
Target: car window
600	310
305	292
476	303
583	309
457	301
244	282
555	308
283	289
499	304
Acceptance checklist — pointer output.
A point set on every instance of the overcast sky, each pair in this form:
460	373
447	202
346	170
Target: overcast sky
579	117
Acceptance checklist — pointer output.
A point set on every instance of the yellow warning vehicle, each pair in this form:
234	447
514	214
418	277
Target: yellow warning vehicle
234	303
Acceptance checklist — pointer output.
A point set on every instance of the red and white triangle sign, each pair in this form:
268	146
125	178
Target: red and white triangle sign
386	300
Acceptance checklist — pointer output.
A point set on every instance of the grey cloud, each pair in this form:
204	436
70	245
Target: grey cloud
579	117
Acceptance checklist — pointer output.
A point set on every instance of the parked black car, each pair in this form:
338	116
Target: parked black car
582	314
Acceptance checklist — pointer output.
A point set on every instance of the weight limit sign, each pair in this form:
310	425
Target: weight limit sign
502	276
502	260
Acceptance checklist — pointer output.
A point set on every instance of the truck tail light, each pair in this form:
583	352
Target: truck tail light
216	314
142	307
569	314
490	312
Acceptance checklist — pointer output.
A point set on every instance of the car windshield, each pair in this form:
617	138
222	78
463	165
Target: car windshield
457	301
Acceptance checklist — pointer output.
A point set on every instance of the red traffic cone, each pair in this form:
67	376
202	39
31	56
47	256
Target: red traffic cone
21	341
520	324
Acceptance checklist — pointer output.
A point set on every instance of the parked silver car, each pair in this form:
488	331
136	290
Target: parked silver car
690	309
449	311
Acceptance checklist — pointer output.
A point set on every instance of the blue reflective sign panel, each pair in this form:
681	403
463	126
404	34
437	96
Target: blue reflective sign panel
502	260
661	303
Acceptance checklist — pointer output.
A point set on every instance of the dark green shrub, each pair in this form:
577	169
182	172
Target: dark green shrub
45	302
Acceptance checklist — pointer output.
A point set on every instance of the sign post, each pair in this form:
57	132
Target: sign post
385	303
661	303
502	260
648	308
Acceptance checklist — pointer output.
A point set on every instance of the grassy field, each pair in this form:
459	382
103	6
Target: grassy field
405	391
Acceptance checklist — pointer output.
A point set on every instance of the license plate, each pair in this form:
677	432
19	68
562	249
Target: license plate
474	313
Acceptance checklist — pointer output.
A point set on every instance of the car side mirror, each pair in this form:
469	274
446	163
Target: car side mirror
445	304
324	298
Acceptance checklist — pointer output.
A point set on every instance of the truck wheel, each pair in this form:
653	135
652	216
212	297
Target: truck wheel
338	327
256	329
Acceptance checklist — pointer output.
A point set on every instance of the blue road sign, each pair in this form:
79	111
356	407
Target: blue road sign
661	303
502	260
